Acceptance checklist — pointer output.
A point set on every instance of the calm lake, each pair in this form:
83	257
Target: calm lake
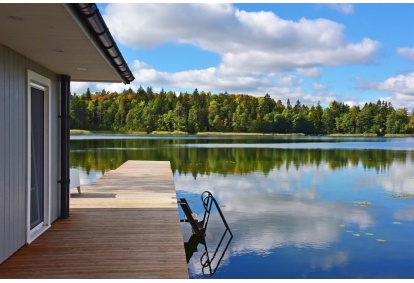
298	207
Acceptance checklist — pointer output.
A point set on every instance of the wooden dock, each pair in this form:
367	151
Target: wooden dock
126	225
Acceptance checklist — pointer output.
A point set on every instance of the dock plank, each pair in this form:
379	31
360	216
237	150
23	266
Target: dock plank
125	225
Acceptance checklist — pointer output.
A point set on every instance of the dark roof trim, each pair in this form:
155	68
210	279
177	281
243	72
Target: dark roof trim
93	24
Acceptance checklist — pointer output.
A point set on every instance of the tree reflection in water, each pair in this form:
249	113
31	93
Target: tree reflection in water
187	158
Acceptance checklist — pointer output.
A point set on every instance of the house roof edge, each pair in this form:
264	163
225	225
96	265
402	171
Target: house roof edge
90	20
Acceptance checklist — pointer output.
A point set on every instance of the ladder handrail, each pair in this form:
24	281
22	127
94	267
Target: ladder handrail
208	200
199	233
207	261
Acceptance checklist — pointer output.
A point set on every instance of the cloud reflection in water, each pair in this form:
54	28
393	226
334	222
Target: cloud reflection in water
267	212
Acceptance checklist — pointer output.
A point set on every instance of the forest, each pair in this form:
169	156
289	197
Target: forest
147	111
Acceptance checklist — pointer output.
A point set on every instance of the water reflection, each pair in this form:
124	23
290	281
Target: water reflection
316	209
295	212
103	155
278	216
330	261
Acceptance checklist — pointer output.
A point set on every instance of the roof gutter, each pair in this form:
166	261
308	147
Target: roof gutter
90	20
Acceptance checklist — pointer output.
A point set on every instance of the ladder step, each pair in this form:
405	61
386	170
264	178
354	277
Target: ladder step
195	217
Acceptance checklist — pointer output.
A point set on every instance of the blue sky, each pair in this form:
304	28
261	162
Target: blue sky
351	53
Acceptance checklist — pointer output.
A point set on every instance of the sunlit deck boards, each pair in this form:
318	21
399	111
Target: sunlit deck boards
126	225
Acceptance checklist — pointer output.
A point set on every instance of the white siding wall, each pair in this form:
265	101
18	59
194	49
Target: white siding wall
13	151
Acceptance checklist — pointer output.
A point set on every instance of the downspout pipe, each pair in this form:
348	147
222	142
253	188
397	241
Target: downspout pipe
65	140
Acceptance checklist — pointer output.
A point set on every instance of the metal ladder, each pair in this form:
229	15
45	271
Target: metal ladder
199	230
199	227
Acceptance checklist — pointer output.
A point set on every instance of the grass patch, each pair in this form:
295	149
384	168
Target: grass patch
245	134
362	203
401	196
398	135
136	133
79	132
352	135
169	133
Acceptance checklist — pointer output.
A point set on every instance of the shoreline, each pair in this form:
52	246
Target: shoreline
175	133
178	133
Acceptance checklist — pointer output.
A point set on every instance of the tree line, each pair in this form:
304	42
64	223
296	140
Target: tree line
204	161
145	110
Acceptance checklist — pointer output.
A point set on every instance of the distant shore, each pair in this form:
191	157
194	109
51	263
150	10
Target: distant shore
86	132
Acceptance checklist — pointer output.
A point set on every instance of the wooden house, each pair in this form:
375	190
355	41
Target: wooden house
43	47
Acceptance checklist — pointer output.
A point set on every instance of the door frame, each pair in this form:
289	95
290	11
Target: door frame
42	83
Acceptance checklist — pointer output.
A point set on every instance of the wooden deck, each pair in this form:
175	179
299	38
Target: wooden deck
126	225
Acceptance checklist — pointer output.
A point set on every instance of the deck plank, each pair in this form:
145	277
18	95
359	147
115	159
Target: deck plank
125	225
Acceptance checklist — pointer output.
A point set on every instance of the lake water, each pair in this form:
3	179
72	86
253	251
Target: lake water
298	207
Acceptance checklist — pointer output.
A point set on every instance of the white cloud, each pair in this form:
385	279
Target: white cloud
220	79
407	53
351	103
78	87
314	72
277	85
317	86
204	79
343	8
402	85
149	25
260	52
252	41
112	87
81	87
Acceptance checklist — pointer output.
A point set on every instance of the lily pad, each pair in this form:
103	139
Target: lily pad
342	225
349	231
397	223
362	203
369	234
381	240
401	196
356	235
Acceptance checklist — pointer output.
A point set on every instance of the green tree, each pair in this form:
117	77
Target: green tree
77	112
330	115
120	116
134	120
214	117
193	118
149	118
265	106
316	117
241	119
280	123
365	119
397	122
201	111
180	115
301	124
288	118
88	94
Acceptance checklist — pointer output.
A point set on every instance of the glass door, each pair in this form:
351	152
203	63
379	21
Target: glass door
37	171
